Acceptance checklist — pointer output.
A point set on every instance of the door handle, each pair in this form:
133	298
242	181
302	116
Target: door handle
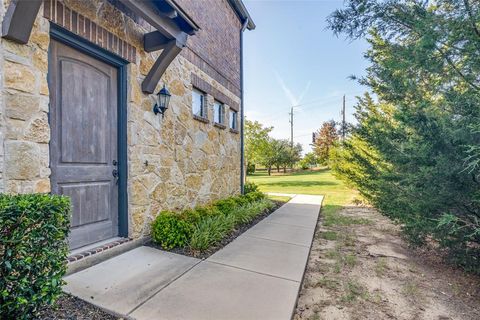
115	175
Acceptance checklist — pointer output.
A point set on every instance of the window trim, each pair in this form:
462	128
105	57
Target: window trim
222	112
203	105
233	113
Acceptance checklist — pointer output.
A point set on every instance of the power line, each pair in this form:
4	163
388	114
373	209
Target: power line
303	135
353	93
313	103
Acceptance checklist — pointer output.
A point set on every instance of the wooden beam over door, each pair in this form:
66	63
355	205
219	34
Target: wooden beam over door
169	36
154	41
18	21
155	18
171	50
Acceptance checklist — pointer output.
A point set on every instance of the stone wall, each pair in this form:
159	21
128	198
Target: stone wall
24	115
173	163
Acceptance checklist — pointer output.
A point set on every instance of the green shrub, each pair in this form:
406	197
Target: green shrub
225	205
248	212
213	229
210	231
255	196
206	211
241	200
171	230
204	226
250	168
33	252
250	187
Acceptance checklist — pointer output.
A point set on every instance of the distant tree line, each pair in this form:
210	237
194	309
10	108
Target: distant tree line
261	149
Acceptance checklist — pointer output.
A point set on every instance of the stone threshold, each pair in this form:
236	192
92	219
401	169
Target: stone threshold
87	251
81	259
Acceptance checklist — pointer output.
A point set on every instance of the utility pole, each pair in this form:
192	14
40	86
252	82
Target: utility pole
291	127
343	119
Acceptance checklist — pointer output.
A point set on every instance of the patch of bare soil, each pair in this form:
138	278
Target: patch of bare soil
71	308
367	271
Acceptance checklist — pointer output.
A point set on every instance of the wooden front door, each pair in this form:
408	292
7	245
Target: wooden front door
83	146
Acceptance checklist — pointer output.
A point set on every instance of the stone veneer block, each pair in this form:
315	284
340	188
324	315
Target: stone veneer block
21	159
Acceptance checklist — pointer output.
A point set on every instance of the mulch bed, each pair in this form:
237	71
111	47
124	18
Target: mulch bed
234	234
71	308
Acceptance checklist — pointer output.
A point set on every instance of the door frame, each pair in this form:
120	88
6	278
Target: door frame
66	37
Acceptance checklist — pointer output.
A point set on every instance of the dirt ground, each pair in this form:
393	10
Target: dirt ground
360	268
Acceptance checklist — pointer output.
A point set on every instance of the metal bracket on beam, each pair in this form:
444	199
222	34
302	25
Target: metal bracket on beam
170	51
18	21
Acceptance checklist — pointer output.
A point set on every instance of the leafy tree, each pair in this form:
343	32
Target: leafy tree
414	153
256	141
279	153
270	154
288	156
282	154
308	161
325	138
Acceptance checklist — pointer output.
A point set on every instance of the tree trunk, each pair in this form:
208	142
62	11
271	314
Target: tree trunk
269	170
278	168
284	169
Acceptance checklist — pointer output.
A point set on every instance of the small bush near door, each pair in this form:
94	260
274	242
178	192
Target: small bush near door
33	252
204	226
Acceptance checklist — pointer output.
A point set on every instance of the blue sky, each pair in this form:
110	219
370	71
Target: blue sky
292	58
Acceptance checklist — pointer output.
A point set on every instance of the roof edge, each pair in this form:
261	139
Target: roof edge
242	12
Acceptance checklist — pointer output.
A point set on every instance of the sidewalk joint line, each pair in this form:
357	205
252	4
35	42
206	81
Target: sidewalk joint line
252	271
283	224
287	224
168	284
278	241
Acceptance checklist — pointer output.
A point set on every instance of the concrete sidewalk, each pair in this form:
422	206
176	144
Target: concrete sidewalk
256	276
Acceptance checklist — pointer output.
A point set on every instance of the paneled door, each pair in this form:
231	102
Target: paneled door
83	146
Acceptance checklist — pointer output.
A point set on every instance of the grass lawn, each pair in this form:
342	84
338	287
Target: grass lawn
320	181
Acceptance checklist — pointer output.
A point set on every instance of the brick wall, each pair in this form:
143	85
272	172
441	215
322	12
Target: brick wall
215	48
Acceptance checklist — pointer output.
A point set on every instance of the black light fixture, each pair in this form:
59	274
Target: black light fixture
163	99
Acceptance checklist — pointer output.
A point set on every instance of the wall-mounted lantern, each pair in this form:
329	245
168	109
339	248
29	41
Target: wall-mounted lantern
163	99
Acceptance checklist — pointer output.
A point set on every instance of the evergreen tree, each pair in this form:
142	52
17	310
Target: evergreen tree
415	152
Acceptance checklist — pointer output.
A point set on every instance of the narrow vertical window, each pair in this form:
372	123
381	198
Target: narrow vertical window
233	119
218	112
198	103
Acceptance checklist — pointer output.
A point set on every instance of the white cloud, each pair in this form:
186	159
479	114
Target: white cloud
292	98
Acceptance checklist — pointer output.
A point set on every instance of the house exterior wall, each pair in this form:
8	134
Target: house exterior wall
173	163
217	43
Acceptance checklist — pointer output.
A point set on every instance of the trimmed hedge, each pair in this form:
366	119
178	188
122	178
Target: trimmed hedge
33	252
173	230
